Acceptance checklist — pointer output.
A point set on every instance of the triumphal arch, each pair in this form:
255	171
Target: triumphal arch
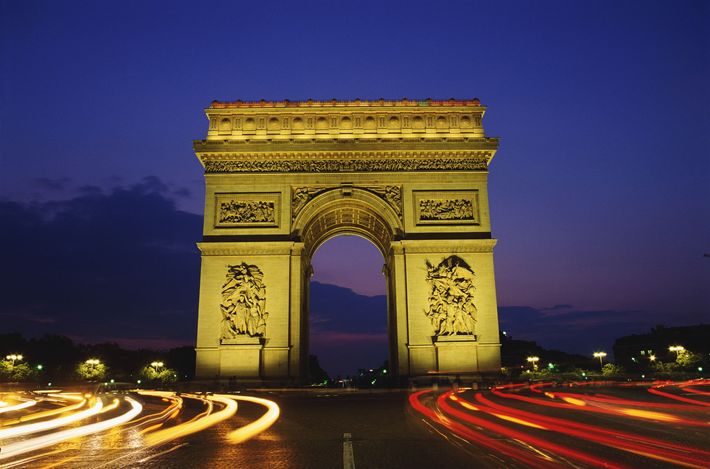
283	177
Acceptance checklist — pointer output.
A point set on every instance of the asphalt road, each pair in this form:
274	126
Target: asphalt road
512	428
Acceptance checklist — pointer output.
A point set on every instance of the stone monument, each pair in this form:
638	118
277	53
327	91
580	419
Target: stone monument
283	177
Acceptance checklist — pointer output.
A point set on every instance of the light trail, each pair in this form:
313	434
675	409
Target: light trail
30	428
44	414
20	437
21	447
527	429
168	434
261	424
577	399
16	407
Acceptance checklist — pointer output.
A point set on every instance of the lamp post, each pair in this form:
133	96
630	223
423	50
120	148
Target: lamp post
600	356
93	363
156	366
534	361
13	358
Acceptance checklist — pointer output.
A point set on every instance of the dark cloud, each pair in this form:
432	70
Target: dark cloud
347	330
578	331
120	263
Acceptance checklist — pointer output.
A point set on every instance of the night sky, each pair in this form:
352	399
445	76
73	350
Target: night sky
599	193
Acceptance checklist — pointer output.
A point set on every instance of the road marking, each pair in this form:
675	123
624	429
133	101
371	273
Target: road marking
348	458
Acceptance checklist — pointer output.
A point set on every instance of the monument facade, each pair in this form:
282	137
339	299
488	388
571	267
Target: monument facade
284	177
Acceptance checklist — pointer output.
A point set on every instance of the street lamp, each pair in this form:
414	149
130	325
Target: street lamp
678	349
534	361
93	362
652	358
600	356
157	365
13	358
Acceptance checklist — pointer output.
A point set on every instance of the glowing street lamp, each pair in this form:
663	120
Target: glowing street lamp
534	361
157	365
600	356
652	358
678	349
13	358
93	362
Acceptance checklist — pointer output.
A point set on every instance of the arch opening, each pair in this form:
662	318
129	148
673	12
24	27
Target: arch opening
348	311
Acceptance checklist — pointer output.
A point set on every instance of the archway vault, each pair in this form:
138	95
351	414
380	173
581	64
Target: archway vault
284	177
347	210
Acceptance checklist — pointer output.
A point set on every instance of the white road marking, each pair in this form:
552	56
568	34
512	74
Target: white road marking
348	458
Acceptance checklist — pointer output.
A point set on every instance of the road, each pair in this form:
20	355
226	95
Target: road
511	426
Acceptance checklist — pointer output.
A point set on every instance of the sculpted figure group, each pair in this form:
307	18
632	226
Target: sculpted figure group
451	309
449	209
243	302
246	211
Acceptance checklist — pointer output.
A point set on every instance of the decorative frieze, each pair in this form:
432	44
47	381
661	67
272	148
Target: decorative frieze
451	309
446	207
246	209
478	163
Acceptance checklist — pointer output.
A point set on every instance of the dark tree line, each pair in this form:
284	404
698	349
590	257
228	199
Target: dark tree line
54	358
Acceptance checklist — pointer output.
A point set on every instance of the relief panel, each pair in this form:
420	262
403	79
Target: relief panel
236	210
446	207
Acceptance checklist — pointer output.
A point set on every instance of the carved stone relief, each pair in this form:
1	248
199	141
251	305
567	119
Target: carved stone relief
302	195
446	209
354	165
247	211
243	302
451	309
243	210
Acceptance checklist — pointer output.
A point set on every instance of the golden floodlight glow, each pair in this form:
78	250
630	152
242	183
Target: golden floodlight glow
43	441
50	424
262	423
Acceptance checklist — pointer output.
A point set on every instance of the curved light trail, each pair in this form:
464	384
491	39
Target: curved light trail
261	424
506	422
29	428
165	419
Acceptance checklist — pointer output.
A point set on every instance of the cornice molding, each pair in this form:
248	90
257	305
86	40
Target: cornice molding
349	161
443	246
246	249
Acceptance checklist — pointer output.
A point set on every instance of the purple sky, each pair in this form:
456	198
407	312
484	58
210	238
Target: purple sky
599	193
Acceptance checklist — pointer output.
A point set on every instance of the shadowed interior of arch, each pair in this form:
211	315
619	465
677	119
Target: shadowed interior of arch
348	306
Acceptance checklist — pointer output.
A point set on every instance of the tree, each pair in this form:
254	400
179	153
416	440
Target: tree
158	375
91	370
13	372
611	369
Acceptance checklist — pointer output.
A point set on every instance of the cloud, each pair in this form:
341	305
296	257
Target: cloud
578	331
329	338
105	263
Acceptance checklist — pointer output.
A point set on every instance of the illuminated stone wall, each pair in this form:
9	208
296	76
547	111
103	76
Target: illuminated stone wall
283	177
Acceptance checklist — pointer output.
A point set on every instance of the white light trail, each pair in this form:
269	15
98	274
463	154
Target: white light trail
20	406
50	424
32	444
